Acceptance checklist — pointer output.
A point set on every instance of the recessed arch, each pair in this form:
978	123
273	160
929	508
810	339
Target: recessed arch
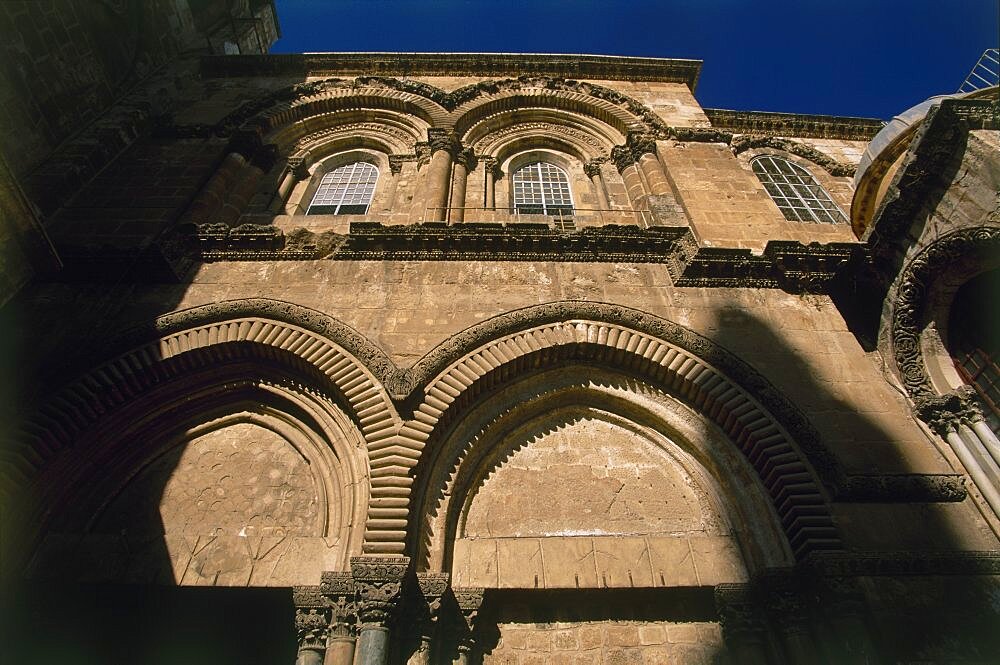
481	438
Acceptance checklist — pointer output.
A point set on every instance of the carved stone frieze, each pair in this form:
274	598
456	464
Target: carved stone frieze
795	124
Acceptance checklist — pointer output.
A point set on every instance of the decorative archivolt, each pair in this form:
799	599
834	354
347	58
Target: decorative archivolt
590	145
459	109
394	140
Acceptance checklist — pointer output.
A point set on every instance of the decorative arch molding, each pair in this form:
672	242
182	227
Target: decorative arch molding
399	130
356	371
460	108
742	143
621	111
912	293
587	143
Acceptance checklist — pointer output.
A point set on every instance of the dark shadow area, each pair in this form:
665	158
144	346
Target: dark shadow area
107	624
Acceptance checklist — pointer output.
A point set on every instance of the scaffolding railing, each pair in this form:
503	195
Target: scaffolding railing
985	74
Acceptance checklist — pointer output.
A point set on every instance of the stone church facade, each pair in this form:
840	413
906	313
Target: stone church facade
420	358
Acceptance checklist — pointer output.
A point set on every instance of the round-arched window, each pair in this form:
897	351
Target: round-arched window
541	188
796	193
974	340
346	190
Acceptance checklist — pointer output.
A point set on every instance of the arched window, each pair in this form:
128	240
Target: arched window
346	190
541	188
974	340
799	197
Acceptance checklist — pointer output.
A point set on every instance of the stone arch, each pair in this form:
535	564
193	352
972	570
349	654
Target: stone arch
955	257
326	353
752	412
344	96
399	132
480	441
492	134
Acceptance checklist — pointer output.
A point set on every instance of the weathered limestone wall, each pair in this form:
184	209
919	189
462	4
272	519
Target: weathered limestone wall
728	205
611	642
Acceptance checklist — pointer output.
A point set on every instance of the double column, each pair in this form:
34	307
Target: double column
640	169
226	195
351	618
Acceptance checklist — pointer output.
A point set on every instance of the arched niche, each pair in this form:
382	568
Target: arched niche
520	472
233	475
400	131
333	155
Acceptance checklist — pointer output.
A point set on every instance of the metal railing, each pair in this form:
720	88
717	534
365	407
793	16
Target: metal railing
563	221
985	74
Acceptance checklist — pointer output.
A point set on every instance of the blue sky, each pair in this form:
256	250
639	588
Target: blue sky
869	58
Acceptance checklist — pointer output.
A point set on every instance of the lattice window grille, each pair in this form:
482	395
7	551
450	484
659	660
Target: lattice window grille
541	188
346	190
796	193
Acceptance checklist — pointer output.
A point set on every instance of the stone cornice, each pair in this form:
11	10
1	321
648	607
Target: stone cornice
787	265
799	125
597	67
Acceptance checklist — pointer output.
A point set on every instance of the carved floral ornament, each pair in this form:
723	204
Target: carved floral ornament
908	321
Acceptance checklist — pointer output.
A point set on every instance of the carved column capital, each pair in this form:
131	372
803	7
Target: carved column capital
469	602
467	158
443	139
378	582
944	413
312	618
423	152
396	163
298	167
593	167
739	613
641	143
341	596
622	157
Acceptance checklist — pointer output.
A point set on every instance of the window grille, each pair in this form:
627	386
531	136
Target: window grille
974	341
346	190
541	188
797	194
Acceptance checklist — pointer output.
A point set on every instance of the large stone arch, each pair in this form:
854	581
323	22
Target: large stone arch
313	357
751	412
642	430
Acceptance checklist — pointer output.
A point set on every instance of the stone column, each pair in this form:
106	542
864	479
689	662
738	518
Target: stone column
465	161
743	626
295	170
378	581
489	169
417	210
593	171
469	602
245	185
424	617
338	589
444	145
312	622
395	167
643	149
